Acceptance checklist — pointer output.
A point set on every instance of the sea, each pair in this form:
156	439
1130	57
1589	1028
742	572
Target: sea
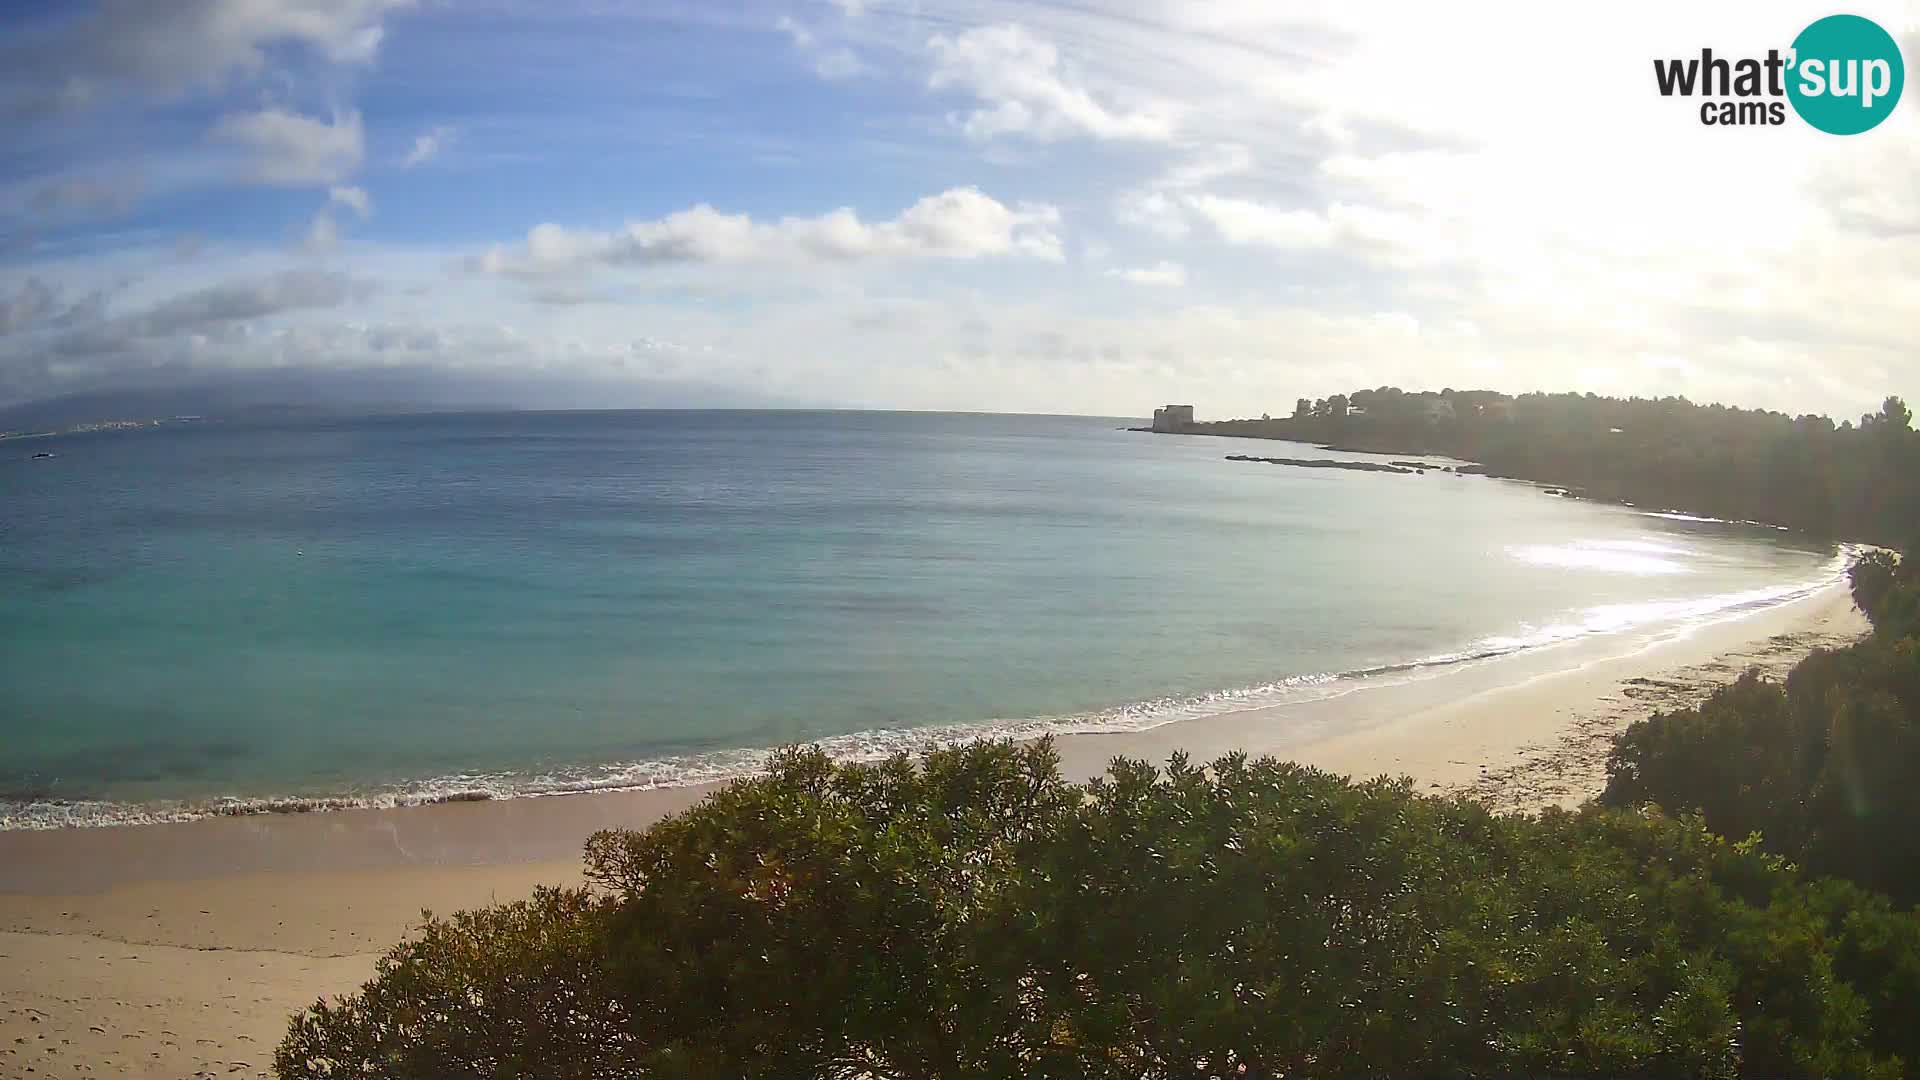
216	617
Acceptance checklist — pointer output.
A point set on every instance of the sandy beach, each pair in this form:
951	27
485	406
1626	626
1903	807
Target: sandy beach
180	949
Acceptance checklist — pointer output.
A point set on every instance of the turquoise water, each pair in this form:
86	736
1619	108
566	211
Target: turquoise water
201	616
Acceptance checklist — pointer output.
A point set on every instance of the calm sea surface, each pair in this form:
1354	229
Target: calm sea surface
395	609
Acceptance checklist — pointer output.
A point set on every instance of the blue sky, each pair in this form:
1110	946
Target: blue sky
931	204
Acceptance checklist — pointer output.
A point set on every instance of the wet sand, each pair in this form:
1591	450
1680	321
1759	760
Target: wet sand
181	949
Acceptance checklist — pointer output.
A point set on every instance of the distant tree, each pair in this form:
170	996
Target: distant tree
1894	417
1302	408
1803	472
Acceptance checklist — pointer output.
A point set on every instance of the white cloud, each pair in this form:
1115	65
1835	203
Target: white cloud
427	145
1155	211
1244	221
840	63
353	197
1161	207
801	36
248	298
87	341
32	303
174	45
1389	238
831	62
1024	89
86	196
960	223
322	234
289	149
1208	165
1163	273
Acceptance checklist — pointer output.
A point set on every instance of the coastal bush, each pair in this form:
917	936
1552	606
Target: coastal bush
974	915
520	990
1823	767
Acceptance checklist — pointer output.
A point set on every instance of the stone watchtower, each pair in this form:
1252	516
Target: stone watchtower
1173	418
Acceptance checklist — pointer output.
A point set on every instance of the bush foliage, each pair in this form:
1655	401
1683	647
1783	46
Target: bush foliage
976	916
1822	767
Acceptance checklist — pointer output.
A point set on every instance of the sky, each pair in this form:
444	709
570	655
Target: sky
1091	207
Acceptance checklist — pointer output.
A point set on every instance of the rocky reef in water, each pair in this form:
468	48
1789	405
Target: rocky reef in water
1327	463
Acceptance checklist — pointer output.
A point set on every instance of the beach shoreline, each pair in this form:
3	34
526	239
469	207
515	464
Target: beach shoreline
1305	703
181	948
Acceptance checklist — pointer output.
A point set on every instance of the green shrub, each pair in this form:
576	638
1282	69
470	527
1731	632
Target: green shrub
1825	768
977	916
519	990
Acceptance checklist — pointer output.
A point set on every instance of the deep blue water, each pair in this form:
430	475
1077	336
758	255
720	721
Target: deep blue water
404	607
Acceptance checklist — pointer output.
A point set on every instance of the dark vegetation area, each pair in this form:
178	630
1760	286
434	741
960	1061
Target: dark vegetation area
975	916
1738	903
1824	769
1847	480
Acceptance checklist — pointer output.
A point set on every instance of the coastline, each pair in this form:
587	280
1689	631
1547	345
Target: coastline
1523	734
181	948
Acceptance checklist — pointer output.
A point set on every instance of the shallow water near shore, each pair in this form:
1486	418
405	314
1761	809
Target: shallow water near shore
229	617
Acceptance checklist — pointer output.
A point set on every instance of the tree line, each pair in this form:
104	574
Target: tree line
1849	480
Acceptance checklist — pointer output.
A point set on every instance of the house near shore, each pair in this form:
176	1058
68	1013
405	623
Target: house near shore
1173	418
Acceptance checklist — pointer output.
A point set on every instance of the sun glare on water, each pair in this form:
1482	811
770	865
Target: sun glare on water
1638	557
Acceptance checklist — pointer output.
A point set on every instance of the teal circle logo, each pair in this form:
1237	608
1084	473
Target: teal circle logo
1846	75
